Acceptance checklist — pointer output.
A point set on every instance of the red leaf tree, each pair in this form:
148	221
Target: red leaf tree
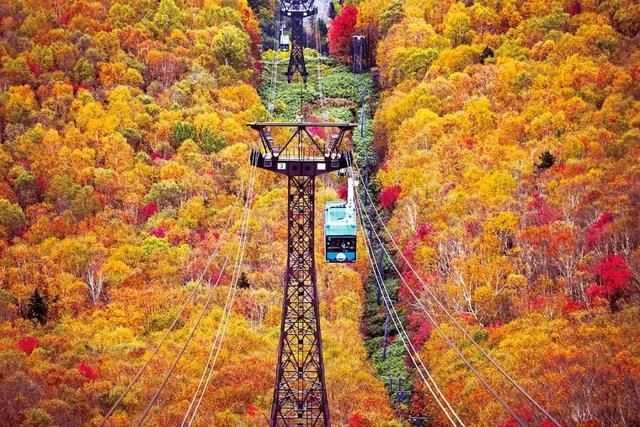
340	32
419	329
148	210
543	213
343	192
252	410
158	232
423	231
575	8
357	420
599	229
389	196
28	344
613	276
87	371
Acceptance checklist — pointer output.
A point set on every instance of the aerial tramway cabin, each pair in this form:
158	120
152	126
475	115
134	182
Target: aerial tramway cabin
285	41
340	229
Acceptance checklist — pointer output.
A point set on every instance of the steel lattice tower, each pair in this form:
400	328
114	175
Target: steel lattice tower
299	396
297	10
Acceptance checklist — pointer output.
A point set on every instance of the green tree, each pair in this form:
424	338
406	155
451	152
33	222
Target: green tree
182	131
122	15
391	15
627	20
547	160
38	308
83	72
211	143
243	281
15	71
11	218
164	193
25	187
231	47
168	16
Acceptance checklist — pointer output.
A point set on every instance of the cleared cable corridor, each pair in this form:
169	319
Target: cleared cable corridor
319	72
411	351
486	385
393	314
452	318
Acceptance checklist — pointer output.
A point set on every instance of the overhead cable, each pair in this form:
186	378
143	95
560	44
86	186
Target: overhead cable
448	314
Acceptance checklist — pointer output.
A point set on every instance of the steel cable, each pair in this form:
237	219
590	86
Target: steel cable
274	67
448	314
194	327
184	347
389	304
141	370
221	331
413	354
318	42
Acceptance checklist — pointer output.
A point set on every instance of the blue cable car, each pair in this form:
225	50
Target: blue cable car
340	229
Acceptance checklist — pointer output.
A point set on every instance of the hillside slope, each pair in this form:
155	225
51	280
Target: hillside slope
508	136
124	154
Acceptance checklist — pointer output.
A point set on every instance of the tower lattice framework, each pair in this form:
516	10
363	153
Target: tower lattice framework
300	398
297	11
299	395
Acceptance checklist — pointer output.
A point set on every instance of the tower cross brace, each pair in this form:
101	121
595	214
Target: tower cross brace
299	395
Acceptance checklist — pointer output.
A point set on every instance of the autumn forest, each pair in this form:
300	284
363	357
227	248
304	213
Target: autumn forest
143	255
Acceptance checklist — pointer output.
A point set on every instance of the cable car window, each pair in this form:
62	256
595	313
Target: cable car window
341	244
337	213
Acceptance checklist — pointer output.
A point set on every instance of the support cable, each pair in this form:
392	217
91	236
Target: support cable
450	316
222	326
196	324
448	341
435	391
276	59
454	320
141	370
363	94
184	347
411	350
